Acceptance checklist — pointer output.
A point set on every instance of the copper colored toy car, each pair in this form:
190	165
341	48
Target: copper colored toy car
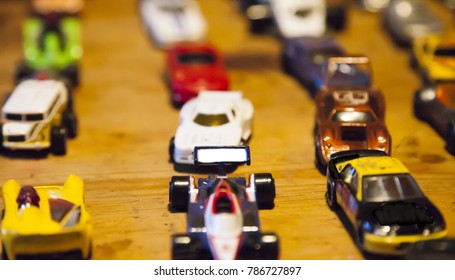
349	111
436	105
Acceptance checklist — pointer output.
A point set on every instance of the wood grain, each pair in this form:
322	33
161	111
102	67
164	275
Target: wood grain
126	121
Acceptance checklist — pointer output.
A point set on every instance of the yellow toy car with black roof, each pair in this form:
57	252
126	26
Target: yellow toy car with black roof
382	201
45	222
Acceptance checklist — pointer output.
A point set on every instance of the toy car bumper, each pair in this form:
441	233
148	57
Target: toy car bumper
38	145
395	245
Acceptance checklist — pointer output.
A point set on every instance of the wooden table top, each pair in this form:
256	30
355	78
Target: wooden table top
126	121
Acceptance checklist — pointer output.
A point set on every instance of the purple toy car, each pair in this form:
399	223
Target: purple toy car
305	59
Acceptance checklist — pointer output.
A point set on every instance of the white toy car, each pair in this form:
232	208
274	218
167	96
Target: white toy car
173	21
38	116
296	18
214	118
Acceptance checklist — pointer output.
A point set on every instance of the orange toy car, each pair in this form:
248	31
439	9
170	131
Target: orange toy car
349	111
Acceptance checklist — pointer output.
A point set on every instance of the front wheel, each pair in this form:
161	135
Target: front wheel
4	255
270	246
179	193
331	196
171	150
265	190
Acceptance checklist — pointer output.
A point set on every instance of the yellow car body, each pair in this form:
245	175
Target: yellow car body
58	226
361	200
435	58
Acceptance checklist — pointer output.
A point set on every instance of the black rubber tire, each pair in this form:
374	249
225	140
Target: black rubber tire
265	190
171	150
450	143
270	246
22	72
58	140
418	107
72	73
4	255
331	196
337	17
285	64
186	248
179	193
71	123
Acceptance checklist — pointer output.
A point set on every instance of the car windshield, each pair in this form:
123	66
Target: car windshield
353	117
302	13
197	58
348	75
445	52
393	187
211	120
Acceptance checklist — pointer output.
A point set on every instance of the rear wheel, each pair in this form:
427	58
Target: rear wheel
450	144
22	72
4	255
58	140
269	246
72	73
337	17
70	121
171	149
179	193
265	190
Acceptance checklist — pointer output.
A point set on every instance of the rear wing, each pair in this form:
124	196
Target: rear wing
221	155
349	155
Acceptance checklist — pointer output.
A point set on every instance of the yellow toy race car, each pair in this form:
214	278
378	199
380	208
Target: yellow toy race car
386	207
434	58
45	222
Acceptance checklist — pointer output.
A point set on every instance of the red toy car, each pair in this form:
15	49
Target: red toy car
193	67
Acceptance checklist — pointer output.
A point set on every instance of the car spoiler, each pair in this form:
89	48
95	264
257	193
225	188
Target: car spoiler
349	155
221	155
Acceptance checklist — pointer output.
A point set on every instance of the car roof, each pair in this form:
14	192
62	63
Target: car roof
375	165
33	96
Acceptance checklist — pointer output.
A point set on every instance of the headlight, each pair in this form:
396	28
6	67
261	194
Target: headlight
382	230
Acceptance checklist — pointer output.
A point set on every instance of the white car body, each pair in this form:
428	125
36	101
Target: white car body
233	117
296	18
29	112
173	21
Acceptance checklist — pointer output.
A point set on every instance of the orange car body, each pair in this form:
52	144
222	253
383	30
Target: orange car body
349	111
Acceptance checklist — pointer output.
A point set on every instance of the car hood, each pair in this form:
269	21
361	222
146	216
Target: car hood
357	136
200	75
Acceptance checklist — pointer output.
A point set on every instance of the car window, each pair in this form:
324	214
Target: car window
59	208
353	117
196	58
350	177
348	75
211	120
386	188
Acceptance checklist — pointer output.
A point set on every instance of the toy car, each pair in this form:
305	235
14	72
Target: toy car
436	105
192	68
260	14
52	46
296	18
382	201
223	221
46	7
214	118
46	222
37	116
350	113
433	57
407	20
305	59
172	21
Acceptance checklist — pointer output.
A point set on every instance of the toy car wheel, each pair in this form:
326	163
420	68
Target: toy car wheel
269	246
285	64
72	73
70	122
420	98
4	255
337	17
58	140
265	190
186	248
331	196
179	193
450	144
359	238
22	72
171	149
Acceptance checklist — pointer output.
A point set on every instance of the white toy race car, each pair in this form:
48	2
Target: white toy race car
37	116
173	21
214	118
296	18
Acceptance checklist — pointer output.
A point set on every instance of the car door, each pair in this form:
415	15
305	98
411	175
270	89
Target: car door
347	192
